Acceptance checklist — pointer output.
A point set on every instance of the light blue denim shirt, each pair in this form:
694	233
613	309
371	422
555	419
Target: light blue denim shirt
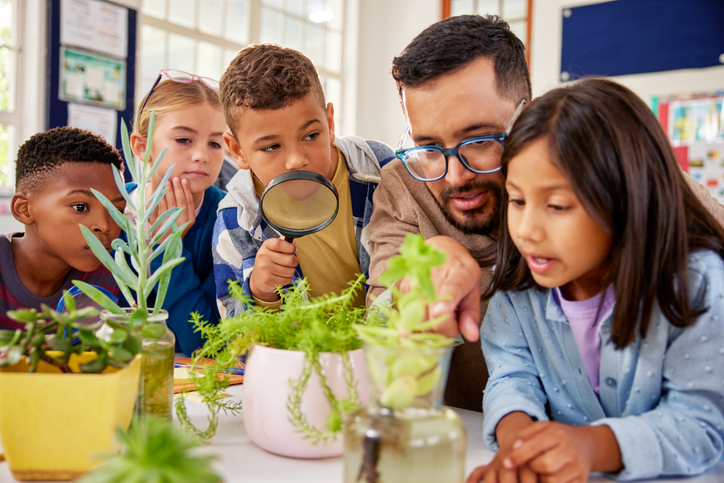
662	396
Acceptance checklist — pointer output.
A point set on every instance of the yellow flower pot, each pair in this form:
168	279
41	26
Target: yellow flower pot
54	425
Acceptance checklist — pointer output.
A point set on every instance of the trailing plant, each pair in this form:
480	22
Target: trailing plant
408	374
155	452
47	330
322	324
144	243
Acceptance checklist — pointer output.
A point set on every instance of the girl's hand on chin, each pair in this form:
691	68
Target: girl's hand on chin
178	196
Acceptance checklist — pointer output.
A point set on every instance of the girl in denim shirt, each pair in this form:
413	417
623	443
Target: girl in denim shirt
605	334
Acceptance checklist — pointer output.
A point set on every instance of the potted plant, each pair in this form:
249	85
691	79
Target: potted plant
304	371
52	419
156	452
130	267
404	433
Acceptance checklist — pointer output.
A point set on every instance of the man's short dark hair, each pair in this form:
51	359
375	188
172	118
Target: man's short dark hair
40	155
451	44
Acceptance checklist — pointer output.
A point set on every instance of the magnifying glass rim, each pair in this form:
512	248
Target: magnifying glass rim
293	176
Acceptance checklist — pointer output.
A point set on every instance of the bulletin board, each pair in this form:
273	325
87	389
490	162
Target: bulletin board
640	36
695	126
91	71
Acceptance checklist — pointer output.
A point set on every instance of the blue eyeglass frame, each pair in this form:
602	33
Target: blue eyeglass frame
500	138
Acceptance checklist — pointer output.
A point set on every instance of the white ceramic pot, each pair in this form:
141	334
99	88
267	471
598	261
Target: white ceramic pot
266	393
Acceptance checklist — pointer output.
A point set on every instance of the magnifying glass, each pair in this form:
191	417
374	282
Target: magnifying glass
299	203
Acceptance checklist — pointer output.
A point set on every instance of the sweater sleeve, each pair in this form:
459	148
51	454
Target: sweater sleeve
391	220
684	433
513	383
230	244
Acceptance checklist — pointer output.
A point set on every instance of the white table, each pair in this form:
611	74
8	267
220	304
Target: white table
239	460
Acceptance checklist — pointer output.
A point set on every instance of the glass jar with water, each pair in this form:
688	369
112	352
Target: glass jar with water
405	433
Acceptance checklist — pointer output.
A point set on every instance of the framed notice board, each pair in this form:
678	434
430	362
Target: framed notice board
93	79
639	36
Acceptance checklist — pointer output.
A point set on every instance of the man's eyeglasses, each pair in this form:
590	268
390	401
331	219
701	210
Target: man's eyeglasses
479	154
182	77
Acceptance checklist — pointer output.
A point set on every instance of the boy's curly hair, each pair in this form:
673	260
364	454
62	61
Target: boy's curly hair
40	155
266	76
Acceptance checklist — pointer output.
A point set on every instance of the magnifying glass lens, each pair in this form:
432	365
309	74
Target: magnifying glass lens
299	203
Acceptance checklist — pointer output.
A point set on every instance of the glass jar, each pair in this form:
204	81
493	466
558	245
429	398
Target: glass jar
155	390
405	433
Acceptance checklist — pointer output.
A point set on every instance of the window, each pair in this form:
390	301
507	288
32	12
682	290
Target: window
202	36
9	115
515	12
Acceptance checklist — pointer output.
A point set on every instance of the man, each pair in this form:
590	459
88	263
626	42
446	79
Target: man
460	78
460	82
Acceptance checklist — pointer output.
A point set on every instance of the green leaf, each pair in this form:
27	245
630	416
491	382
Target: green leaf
127	152
118	336
152	331
138	318
100	251
122	188
117	216
89	339
59	343
133	344
23	315
69	301
96	365
173	214
120	353
98	297
159	271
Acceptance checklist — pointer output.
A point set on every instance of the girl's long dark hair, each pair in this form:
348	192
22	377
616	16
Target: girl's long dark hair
613	151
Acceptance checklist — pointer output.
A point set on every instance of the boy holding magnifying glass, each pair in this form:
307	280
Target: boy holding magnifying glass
274	106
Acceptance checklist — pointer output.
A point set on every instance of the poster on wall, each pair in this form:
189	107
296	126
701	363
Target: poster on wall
695	126
96	25
92	78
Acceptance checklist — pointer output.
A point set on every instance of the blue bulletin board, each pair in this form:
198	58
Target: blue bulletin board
638	36
113	94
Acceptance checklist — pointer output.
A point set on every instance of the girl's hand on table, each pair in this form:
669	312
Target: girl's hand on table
559	452
508	433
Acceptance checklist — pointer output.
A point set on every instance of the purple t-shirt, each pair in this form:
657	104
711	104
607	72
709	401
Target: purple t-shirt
581	315
14	295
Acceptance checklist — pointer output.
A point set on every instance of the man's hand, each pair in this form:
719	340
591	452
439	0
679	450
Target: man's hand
459	279
274	266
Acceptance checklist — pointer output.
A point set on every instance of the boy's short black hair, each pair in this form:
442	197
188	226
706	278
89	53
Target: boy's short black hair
40	155
451	44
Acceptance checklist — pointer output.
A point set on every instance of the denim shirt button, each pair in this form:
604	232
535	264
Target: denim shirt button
610	382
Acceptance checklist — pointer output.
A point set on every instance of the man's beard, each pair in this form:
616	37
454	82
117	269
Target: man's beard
470	221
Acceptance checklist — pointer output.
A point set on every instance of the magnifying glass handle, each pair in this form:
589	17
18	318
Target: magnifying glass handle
289	238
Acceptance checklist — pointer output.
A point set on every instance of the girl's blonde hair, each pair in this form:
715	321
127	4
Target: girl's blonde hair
169	96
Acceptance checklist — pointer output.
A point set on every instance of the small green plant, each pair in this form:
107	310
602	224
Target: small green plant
323	324
143	244
408	374
48	330
155	452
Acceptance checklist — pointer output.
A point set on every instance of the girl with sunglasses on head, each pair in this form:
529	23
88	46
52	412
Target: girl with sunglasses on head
605	333
189	125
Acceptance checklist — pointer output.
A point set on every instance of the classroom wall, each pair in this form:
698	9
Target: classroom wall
385	27
546	60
